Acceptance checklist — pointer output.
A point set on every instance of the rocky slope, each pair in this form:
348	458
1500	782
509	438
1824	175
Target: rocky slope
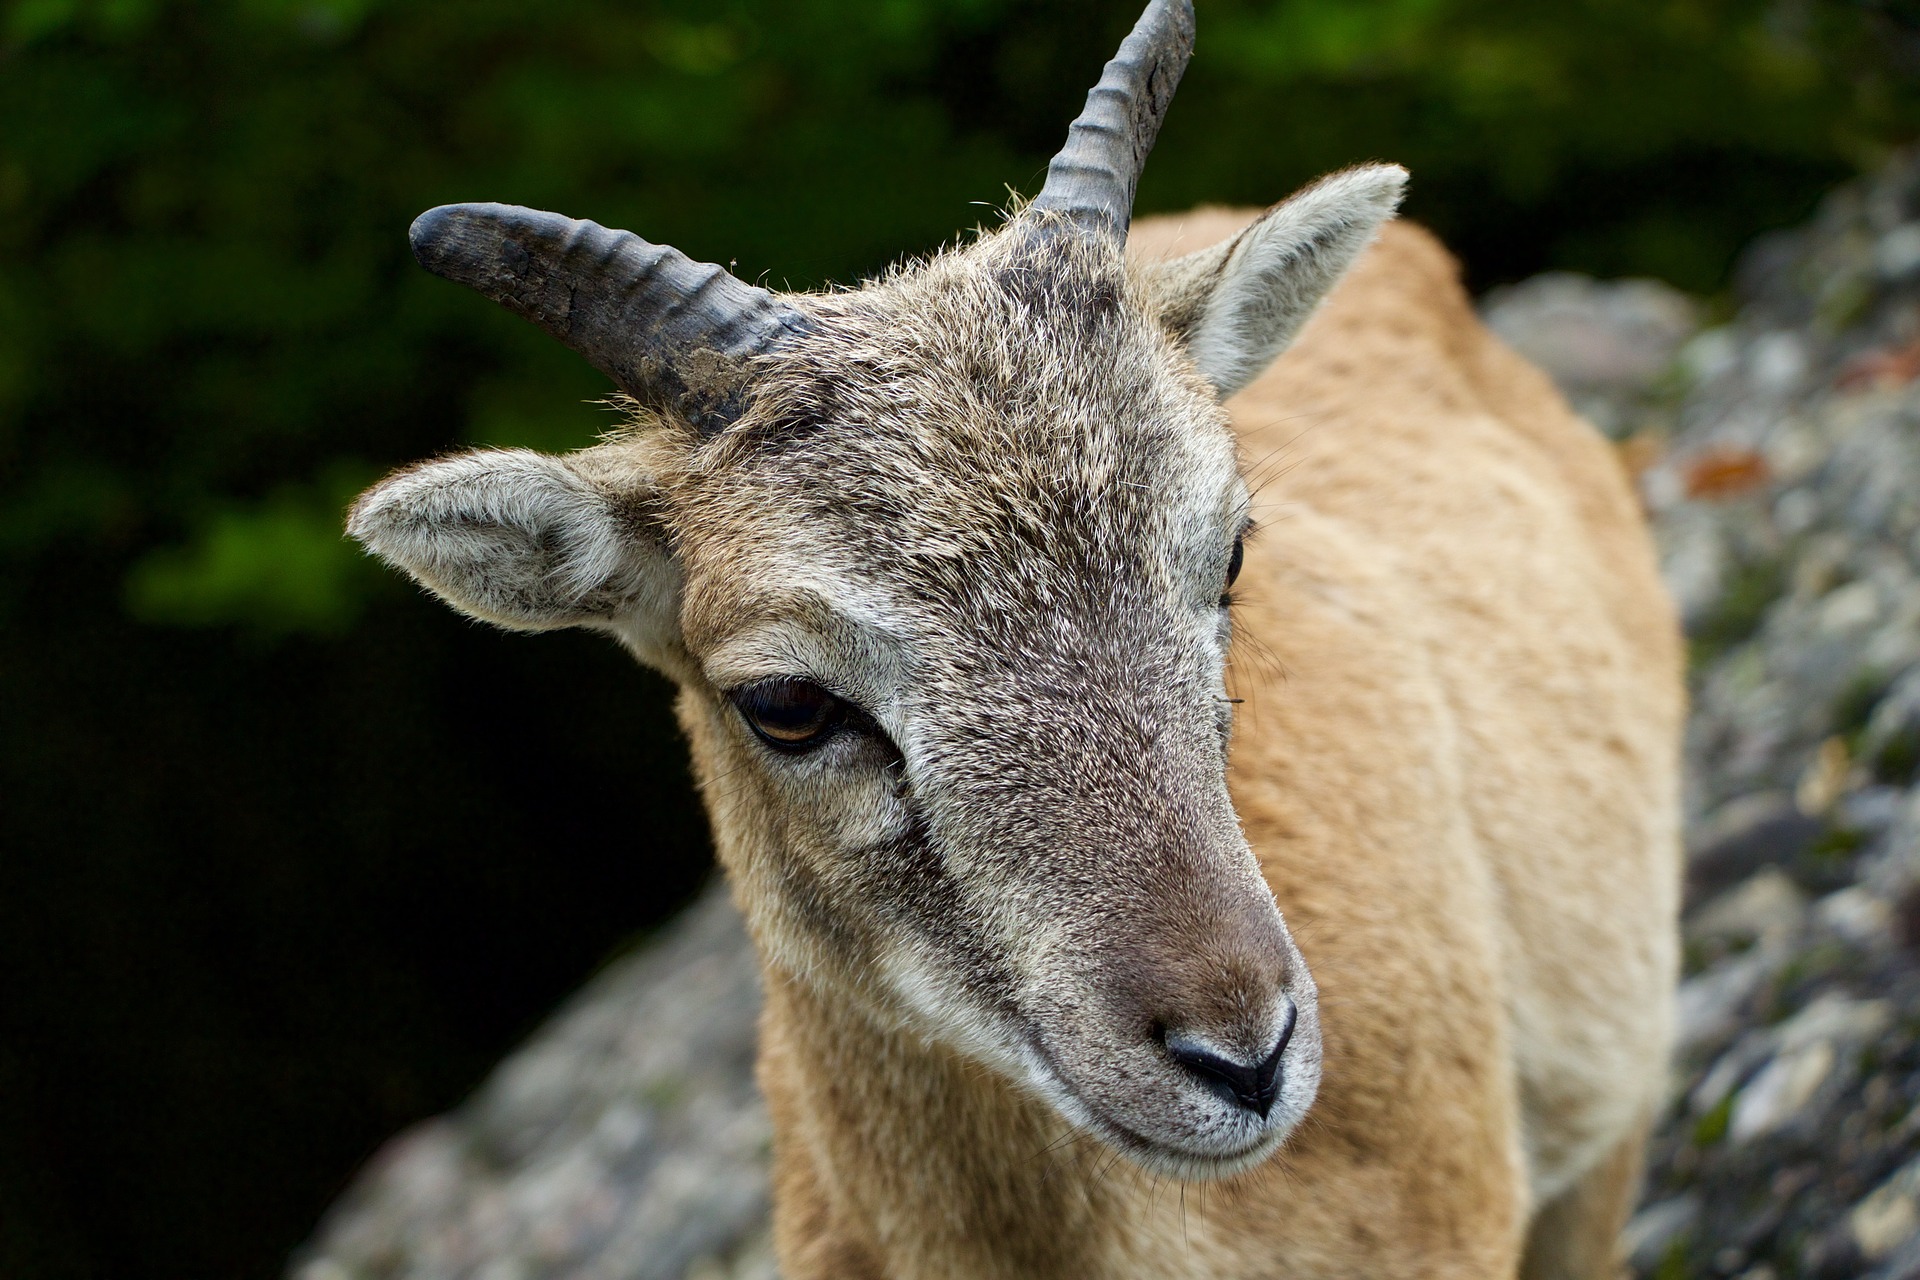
1782	467
1779	454
625	1141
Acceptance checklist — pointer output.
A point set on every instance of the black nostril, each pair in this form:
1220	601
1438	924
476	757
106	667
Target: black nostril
1233	1081
1270	1069
1251	1086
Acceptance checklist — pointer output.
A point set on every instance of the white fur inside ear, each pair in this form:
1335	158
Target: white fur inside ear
1277	271
510	536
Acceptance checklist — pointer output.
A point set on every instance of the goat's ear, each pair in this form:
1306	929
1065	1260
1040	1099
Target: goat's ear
1237	304
529	540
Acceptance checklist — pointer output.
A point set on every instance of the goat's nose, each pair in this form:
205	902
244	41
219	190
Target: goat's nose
1251	1085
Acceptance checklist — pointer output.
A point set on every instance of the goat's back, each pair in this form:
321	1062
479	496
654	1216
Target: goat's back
1457	758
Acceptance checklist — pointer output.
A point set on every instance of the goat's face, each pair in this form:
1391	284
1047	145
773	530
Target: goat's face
954	610
939	567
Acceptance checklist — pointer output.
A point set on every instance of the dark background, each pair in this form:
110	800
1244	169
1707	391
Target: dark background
290	855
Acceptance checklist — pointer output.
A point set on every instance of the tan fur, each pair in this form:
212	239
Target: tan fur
1578	1232
1456	765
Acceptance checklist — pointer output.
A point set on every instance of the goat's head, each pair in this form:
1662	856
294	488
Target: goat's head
940	566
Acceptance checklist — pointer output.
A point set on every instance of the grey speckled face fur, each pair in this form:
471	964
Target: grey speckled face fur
938	565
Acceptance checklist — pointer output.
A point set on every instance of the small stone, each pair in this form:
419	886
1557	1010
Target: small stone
1795	512
1777	361
1896	717
1653	1230
1856	914
1821	560
1834	1018
1693	559
1898	253
1797	451
1662	490
1737	819
1825	777
1711	355
1742	836
1830	1019
1854	607
1776	1095
1767	906
1728	1070
1902	1264
1707	1006
1872	809
1889	1216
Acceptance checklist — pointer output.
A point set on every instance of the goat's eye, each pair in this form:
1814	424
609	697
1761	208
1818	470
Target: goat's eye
790	714
1233	569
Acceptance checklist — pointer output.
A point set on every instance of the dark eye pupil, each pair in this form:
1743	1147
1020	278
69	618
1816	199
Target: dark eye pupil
1233	564
789	713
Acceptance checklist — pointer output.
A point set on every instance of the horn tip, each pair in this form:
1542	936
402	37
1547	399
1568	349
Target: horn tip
435	232
1175	17
428	230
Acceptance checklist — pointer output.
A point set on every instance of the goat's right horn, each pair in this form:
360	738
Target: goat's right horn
671	332
1093	179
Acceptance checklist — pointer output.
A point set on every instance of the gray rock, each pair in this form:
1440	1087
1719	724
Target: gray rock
1747	834
1904	1264
1608	344
1856	915
1777	1094
1798	1079
1653	1230
1889	1217
625	1142
1768	909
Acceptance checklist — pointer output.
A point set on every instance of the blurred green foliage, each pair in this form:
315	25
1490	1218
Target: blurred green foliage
277	565
207	298
303	853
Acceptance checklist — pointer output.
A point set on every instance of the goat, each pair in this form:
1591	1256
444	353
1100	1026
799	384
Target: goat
947	569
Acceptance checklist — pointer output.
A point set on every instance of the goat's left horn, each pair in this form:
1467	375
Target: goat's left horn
670	332
1093	179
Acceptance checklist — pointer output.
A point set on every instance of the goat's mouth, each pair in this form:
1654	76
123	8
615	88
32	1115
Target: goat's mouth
1235	1143
1181	1163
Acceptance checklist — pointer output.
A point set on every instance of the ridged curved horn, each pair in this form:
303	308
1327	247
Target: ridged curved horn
669	331
1093	178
